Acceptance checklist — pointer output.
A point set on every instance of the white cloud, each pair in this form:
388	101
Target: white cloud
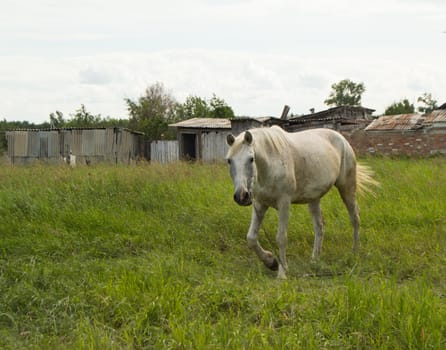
257	55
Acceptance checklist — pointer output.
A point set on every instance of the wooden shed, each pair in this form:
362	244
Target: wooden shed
79	145
202	138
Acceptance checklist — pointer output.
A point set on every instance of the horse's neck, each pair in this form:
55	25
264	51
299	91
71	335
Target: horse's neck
266	166
271	166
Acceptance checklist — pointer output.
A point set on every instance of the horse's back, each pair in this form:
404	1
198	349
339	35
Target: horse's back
320	134
323	158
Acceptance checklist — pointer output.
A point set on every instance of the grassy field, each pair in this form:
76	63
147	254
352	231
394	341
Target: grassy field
154	256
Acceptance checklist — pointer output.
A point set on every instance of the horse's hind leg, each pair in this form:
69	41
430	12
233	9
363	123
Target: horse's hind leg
281	237
318	224
348	196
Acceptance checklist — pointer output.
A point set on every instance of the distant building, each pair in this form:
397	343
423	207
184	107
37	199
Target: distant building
342	118
74	145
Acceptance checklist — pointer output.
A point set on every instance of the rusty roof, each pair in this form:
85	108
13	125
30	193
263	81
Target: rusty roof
203	123
411	121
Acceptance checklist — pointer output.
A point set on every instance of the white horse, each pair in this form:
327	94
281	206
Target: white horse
273	168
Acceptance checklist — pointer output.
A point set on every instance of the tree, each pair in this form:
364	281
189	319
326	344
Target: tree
193	107
345	93
113	122
83	119
197	107
3	141
429	103
152	112
219	108
401	107
57	120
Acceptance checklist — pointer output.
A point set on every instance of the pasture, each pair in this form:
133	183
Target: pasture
114	257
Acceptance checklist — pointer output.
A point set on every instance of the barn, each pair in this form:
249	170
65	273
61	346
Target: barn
74	145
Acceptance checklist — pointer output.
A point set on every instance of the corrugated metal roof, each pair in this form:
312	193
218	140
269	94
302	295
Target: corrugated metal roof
79	128
397	122
437	116
204	123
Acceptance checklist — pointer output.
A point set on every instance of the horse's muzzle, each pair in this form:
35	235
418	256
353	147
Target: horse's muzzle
242	197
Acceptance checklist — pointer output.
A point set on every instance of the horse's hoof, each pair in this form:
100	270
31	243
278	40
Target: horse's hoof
274	265
281	276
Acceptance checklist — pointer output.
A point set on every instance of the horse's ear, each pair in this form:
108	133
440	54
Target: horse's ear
248	137
230	139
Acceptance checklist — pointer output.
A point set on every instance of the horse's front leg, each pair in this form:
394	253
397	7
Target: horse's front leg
281	238
258	213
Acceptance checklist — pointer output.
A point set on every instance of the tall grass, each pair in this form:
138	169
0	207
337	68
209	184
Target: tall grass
155	256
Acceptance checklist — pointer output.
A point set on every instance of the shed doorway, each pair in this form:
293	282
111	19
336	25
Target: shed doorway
189	146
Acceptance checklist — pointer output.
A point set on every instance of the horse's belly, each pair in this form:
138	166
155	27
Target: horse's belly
271	197
309	194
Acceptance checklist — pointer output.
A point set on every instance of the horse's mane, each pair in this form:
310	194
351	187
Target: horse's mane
268	141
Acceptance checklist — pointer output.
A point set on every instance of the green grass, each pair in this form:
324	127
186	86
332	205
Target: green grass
155	256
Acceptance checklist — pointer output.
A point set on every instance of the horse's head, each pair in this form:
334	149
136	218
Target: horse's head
240	158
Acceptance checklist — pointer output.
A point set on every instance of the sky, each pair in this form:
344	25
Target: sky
257	55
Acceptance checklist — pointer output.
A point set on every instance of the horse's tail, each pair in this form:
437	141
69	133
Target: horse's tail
365	183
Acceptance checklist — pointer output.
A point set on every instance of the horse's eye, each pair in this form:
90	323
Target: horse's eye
229	161
251	159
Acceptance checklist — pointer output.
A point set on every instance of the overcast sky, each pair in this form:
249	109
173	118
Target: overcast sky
256	55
